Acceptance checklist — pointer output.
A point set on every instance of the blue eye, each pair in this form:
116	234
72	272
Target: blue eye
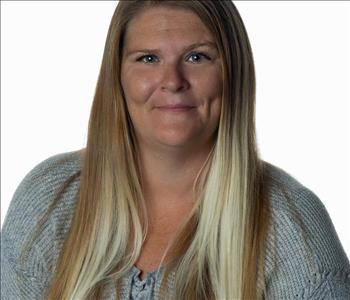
147	61
198	54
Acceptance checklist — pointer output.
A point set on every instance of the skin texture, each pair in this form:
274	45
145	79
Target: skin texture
173	145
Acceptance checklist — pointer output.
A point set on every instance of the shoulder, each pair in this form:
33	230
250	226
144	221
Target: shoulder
48	173
290	200
53	167
37	193
303	249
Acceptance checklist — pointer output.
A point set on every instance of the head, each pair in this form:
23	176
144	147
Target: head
210	80
214	84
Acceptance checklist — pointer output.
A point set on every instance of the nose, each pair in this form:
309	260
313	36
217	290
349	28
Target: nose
173	79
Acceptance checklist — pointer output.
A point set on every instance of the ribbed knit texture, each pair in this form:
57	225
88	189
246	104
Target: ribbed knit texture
304	258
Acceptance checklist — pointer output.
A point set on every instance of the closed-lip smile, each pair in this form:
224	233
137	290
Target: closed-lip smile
175	106
178	108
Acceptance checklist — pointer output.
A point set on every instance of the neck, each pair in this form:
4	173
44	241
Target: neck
168	175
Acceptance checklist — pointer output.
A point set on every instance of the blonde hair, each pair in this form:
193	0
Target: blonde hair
220	261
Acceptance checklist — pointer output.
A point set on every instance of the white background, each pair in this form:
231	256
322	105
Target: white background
51	53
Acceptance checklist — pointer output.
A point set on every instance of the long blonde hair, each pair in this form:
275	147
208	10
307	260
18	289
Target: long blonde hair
220	261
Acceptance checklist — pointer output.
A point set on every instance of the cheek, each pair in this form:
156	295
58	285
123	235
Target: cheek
137	89
208	88
214	84
207	81
137	86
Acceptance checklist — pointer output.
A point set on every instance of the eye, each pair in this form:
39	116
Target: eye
197	56
146	58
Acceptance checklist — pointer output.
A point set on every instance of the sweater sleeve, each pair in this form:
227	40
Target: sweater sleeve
309	260
29	278
20	283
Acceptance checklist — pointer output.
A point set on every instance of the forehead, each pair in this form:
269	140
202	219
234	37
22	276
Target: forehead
165	24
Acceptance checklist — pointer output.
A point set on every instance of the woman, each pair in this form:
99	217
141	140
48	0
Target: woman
170	198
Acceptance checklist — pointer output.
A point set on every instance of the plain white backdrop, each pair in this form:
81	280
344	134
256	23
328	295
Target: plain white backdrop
51	53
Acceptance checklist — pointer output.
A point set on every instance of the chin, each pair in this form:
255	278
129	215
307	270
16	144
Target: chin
176	140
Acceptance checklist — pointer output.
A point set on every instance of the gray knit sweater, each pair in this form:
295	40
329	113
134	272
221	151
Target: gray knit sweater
304	259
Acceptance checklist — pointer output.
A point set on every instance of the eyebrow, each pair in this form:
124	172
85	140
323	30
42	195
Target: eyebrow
188	48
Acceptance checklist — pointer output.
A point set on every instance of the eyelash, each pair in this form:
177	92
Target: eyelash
193	53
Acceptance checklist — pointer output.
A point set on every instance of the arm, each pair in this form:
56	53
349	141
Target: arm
30	278
307	260
21	280
20	283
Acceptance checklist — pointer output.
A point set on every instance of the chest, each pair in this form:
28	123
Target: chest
161	233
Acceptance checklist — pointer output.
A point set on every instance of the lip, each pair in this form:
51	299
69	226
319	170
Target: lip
175	108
